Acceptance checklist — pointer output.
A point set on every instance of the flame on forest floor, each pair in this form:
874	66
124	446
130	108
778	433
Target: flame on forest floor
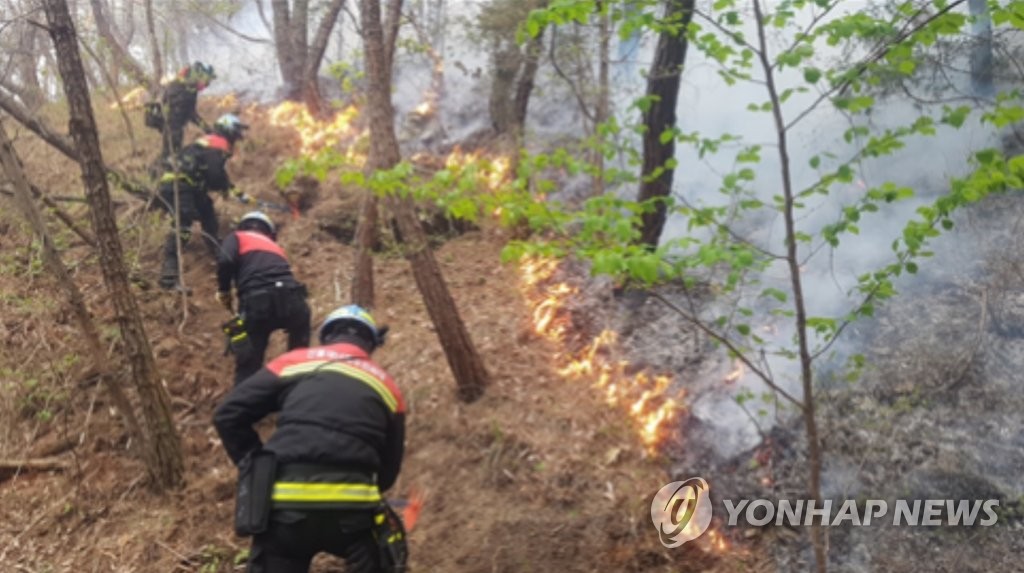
132	99
316	134
644	396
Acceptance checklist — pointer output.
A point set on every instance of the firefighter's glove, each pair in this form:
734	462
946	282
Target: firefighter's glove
224	298
240	195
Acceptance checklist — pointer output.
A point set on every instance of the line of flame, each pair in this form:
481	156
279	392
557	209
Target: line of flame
643	395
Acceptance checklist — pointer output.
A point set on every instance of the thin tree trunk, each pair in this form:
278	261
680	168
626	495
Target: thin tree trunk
663	96
366	236
112	85
603	107
23	198
312	97
981	53
392	25
463	359
31	90
122	58
818	534
154	46
163	452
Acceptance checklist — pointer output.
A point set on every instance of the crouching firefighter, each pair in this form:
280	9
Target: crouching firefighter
269	297
200	169
316	485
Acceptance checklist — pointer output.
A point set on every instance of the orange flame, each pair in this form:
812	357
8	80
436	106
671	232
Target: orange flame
315	134
644	396
132	99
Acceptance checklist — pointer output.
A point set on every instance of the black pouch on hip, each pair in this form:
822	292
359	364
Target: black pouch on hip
256	477
238	342
390	533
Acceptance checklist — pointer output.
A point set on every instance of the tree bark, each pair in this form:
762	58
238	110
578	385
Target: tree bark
465	362
603	106
28	64
363	286
663	96
311	82
124	60
514	69
982	58
90	334
163	448
154	46
392	25
290	44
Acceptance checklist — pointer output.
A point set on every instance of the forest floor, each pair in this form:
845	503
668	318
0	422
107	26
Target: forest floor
538	475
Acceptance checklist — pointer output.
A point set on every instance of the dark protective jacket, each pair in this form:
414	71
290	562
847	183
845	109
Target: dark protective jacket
179	102
254	262
341	415
202	165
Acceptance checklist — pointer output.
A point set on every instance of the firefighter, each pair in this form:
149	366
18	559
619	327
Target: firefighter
338	445
200	169
269	297
179	105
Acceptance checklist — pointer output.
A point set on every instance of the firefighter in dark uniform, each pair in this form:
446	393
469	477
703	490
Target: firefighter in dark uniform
338	445
200	169
269	297
179	105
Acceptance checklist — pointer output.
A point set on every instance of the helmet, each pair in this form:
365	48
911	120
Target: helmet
199	73
257	217
357	315
230	127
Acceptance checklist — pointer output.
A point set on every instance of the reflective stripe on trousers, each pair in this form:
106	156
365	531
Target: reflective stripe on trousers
326	492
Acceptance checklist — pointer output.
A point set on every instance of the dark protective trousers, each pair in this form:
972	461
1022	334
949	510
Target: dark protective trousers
288	311
194	205
295	537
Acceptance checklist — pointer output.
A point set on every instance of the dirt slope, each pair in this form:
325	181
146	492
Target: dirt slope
539	475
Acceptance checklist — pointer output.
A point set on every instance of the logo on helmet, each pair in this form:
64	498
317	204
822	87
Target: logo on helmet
681	511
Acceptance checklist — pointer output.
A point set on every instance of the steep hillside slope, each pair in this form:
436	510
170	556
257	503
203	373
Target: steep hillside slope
539	475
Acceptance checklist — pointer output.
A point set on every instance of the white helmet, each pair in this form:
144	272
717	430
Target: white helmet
258	216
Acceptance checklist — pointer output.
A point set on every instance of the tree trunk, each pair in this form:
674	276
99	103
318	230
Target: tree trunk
366	236
290	44
163	452
122	58
28	63
464	360
51	257
603	107
311	82
981	53
363	284
663	95
514	69
392	24
154	46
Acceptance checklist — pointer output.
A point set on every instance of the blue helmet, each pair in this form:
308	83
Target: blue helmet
355	314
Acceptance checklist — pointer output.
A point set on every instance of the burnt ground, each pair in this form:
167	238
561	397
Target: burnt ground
522	480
